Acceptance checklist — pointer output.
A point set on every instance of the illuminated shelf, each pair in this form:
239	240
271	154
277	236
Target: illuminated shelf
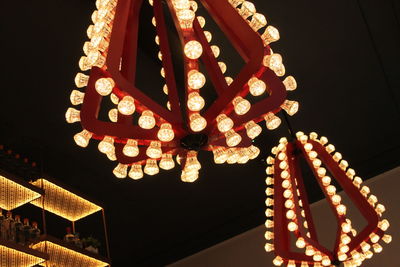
62	254
62	202
15	255
15	192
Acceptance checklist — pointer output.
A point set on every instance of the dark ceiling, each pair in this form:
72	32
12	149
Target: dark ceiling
345	55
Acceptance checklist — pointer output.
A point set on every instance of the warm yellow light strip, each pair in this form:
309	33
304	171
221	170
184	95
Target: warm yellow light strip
61	256
13	195
13	258
63	203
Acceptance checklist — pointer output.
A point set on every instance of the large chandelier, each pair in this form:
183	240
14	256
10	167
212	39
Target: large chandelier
226	128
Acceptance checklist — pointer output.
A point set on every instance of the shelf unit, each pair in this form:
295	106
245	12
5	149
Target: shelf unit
54	198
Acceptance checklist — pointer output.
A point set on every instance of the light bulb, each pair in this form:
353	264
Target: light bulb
310	251
136	172
113	115
224	123
233	156
193	5
336	199
253	152
165	134
300	243
106	145
272	121
387	239
114	99
181	4
243	156
291	107
317	256
247	9
193	49
202	21
292	226
104	86
256	86
165	89
166	162
304	264
269	247
101	28
220	155
81	80
84	64
269	212
269	223
269	235
76	97
271	34
290	83
241	105
232	138
278	261
185	18
290	214
162	72
72	115
127	105
291	263
384	225
374	237
216	51
273	61
111	155
343	164
326	261
235	3
82	139
208	36
196	79
89	31
345	239
154	22
258	21
147	120
121	171
197	122
331	189
154	150
95	58
222	66
195	102
192	162
151	167
131	148
253	129
228	80
377	248
341	209
98	43
189	176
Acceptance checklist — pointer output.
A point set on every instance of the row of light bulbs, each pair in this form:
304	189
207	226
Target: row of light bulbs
350	258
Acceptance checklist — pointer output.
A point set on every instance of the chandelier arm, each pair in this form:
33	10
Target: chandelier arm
161	29
352	191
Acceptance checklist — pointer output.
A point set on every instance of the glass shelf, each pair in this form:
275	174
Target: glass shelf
15	192
16	255
62	254
62	202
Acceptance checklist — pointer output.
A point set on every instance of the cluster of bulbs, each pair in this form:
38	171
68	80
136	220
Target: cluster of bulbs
185	11
280	174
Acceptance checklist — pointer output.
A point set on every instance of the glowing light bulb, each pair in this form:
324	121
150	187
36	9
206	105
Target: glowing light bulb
256	86
196	79
258	21
345	239
224	123
89	31
147	120
336	199
193	5
292	226
81	80
300	243
243	156
247	9
76	97
151	167
192	162
304	264
291	107
195	102
326	261
310	251
220	155
232	138
136	172
253	152
253	129
181	4
241	105
377	248
384	225
95	58
271	34
269	235
272	121
72	115
197	122
101	28
228	80
208	36
216	51
222	66
114	99
193	49
104	86
165	133
202	21
233	156
291	263
127	105
278	261
290	214
331	190
166	162
121	171
387	239
82	139
106	145
185	18
290	83
269	223
317	256
189	176
97	43
113	115
273	61
154	150
131	148
269	247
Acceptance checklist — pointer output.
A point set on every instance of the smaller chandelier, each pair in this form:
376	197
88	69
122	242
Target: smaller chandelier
288	211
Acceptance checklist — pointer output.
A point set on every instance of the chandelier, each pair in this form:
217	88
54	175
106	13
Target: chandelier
289	215
226	128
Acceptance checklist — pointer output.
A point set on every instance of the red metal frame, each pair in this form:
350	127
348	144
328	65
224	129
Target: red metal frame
121	67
